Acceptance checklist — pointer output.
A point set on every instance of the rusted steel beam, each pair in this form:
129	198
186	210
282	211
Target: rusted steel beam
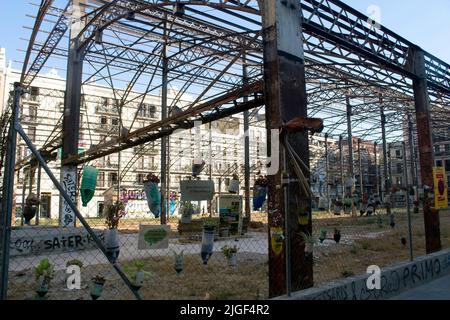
285	91
425	147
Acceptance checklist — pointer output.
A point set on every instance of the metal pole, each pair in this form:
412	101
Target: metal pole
210	166
424	133
285	95
408	206
246	146
38	210
71	120
8	191
350	151
327	172
24	188
165	71
412	152
377	179
73	206
385	159
341	161
361	173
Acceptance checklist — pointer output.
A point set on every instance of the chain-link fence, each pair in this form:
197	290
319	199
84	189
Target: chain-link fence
183	260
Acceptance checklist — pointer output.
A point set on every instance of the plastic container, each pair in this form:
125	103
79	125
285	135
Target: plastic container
88	184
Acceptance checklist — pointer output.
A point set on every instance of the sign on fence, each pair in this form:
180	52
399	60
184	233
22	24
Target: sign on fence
45	241
440	188
153	237
197	190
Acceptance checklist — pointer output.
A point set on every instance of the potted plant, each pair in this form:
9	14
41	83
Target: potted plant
207	240
187	212
113	215
309	242
231	254
323	235
233	186
44	273
260	192
30	208
98	282
179	262
224	231
138	276
337	235
152	193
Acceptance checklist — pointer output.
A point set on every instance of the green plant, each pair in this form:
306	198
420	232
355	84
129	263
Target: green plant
74	262
354	249
323	235
210	224
44	269
139	267
114	213
308	238
228	251
365	245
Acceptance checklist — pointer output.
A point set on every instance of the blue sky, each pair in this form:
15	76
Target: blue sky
426	23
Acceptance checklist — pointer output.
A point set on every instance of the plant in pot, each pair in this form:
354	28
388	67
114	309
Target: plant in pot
187	212
207	240
337	235
138	276
152	193
233	186
113	215
44	273
309	241
224	231
178	266
260	192
97	284
231	254
30	208
323	235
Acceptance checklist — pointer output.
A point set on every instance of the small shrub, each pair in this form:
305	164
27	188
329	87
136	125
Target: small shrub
347	273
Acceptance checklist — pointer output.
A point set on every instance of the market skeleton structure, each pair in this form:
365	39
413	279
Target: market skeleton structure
237	57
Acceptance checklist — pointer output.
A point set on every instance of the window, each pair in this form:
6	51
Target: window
399	168
32	133
447	148
115	121
100	209
437	149
103	120
439	163
112	178
101	180
398	153
140	178
33	113
447	165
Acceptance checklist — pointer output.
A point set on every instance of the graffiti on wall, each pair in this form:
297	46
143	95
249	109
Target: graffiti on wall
70	186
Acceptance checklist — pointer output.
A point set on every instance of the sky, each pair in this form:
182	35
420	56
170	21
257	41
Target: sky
425	23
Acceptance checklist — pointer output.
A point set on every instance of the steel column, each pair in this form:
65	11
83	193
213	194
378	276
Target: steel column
425	147
164	115
327	172
350	152
248	210
8	193
408	204
71	119
387	186
341	161
377	179
285	90
361	181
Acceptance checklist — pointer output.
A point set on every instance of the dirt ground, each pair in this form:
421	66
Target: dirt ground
365	241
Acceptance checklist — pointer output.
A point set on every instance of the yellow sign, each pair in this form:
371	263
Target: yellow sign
277	240
440	188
